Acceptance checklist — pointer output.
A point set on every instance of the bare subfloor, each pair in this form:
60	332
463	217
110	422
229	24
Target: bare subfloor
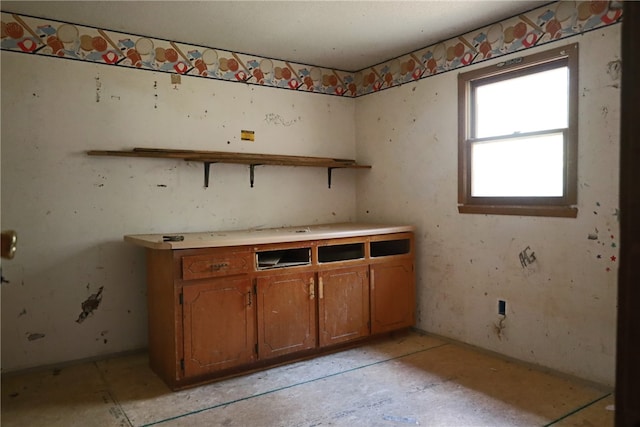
411	379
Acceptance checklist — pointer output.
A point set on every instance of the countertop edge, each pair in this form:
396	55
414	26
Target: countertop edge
248	237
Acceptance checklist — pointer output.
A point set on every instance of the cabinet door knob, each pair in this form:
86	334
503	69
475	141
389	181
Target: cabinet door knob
312	289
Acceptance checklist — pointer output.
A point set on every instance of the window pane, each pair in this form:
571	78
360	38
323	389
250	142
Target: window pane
518	167
524	104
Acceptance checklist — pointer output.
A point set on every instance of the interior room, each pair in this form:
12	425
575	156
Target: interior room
502	302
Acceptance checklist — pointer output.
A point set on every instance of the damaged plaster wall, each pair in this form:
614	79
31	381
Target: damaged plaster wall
76	290
557	276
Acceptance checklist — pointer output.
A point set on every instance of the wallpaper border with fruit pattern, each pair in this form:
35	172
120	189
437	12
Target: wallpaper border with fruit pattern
554	21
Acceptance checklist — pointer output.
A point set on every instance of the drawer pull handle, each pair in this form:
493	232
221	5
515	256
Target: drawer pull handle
217	267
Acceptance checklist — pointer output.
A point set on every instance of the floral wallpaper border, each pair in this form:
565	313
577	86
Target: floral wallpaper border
39	36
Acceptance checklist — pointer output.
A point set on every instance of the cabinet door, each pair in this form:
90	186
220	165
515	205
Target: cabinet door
286	313
343	303
219	325
392	296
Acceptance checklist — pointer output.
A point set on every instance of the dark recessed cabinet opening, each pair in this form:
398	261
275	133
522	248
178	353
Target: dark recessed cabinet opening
283	258
390	247
341	252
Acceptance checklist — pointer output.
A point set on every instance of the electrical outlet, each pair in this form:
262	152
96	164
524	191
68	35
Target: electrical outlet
502	307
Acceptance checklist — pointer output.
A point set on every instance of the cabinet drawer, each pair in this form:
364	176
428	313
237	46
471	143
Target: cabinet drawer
215	265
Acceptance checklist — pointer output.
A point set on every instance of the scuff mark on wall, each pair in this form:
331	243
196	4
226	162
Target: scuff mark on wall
277	119
98	87
155	95
499	327
102	336
614	68
606	243
23	312
90	305
35	336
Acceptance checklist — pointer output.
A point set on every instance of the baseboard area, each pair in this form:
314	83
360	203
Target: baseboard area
587	383
62	365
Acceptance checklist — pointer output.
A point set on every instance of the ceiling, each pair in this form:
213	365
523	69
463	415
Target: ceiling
345	35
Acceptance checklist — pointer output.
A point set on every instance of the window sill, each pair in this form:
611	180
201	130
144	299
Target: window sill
548	211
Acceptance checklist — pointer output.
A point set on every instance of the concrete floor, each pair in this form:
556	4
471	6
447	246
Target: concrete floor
411	379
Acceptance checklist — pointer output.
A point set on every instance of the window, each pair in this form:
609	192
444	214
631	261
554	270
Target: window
517	143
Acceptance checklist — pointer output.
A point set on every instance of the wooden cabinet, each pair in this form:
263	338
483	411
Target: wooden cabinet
392	283
286	313
392	296
343	302
219	325
215	312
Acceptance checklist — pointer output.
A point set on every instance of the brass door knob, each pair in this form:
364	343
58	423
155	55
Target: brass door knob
9	241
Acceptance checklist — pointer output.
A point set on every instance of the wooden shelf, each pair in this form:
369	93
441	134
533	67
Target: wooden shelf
207	158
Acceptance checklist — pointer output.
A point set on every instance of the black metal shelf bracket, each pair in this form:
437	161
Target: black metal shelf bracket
329	176
207	169
252	173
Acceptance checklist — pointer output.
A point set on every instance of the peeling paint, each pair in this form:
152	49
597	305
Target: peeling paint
35	336
614	69
90	305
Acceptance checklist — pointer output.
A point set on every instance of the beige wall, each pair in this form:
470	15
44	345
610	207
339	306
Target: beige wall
561	310
71	210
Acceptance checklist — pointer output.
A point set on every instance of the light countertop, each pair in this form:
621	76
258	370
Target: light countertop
258	236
